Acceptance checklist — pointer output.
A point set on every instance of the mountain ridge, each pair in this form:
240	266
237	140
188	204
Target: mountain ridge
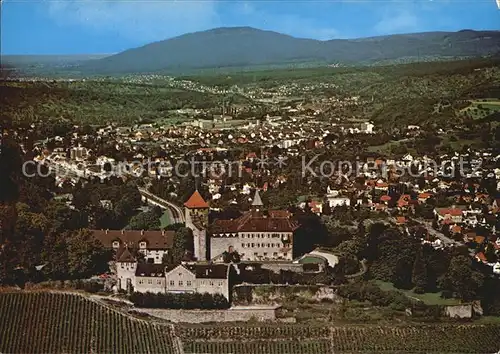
247	46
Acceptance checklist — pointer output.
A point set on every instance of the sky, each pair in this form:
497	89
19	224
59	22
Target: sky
111	26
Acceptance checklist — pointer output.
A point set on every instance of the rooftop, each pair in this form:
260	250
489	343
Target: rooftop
196	201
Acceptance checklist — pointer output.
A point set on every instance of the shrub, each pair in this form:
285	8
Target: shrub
179	301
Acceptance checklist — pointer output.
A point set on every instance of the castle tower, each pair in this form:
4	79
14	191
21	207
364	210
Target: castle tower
196	213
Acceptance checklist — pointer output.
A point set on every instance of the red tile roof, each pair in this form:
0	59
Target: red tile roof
481	257
252	223
196	201
125	256
131	238
450	211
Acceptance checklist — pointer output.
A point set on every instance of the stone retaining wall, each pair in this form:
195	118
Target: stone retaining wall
201	316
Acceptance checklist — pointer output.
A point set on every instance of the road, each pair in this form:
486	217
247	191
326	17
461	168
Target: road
446	240
176	213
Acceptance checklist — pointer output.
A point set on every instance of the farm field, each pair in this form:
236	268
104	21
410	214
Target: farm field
64	323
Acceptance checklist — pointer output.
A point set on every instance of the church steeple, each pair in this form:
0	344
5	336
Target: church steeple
257	204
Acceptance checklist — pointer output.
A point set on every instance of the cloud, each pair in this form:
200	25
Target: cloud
288	23
136	20
399	21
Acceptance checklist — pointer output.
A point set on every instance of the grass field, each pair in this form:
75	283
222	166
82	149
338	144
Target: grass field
427	298
481	108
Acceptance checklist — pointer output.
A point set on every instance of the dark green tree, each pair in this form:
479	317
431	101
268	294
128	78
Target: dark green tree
461	280
419	274
183	242
86	255
147	220
402	275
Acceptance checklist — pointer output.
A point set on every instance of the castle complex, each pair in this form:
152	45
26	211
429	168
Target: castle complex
256	235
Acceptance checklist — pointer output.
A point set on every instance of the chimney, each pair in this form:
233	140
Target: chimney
106	232
142	232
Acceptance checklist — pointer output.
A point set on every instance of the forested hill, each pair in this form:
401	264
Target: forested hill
247	47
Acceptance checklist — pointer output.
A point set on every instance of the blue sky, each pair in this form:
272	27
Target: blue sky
100	26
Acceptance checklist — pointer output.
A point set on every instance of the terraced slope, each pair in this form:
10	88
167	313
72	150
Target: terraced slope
66	323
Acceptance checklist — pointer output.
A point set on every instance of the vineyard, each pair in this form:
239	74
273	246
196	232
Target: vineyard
271	339
43	322
65	323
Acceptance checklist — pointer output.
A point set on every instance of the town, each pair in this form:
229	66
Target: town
327	209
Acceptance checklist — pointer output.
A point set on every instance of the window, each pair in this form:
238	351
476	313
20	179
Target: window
158	282
253	244
150	281
181	283
211	283
141	281
221	283
116	244
242	245
258	245
265	254
172	283
272	244
255	254
285	254
142	244
275	254
188	283
268	245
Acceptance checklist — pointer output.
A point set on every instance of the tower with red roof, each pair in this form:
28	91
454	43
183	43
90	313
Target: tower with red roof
196	213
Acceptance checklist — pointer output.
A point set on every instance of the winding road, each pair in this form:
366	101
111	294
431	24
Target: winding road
175	212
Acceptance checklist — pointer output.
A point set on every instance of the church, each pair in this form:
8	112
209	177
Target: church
257	235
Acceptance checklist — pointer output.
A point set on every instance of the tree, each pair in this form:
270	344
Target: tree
55	255
489	253
419	274
402	276
461	280
147	220
86	255
183	242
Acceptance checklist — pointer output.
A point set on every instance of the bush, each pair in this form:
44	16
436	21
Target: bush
179	301
367	291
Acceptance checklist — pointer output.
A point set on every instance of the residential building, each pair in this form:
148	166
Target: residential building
198	278
152	244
